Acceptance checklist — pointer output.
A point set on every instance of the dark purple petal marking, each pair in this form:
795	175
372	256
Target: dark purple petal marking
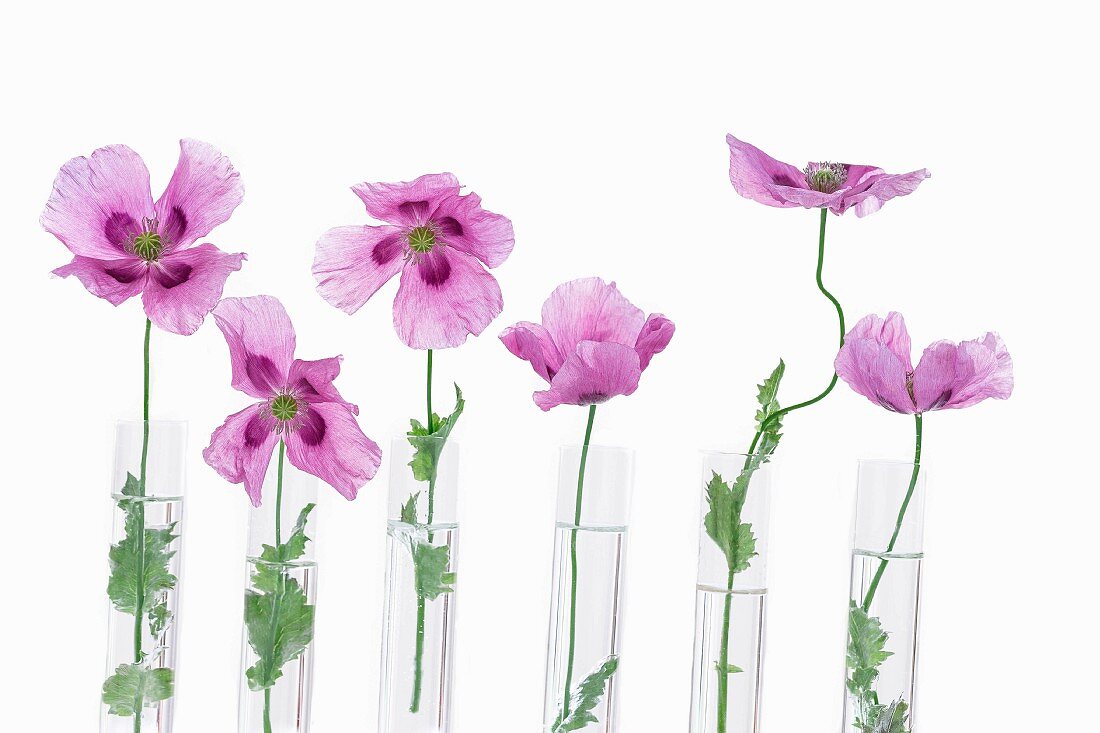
168	274
449	225
305	390
386	250
593	398
312	428
434	271
782	179
124	275
942	400
118	228
416	210
175	225
262	372
256	431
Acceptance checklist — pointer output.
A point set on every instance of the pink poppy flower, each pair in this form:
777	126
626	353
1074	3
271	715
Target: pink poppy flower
592	344
124	244
875	362
299	405
838	186
439	241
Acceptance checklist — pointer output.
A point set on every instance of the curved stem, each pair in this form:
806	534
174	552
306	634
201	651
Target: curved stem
840	319
573	566
280	588
884	561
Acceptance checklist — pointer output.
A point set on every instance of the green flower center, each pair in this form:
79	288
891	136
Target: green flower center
421	239
825	177
148	246
284	408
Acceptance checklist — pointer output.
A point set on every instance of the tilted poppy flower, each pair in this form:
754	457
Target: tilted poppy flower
837	186
440	241
592	344
299	405
124	244
875	361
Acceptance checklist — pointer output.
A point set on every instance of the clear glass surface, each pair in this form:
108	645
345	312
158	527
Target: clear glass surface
584	650
147	488
418	624
731	594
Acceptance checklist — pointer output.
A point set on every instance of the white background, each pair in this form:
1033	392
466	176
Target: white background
600	132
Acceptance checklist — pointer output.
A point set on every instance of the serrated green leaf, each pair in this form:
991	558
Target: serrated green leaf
408	510
140	561
723	523
767	397
426	458
132	487
277	615
585	697
160	618
892	718
280	627
730	668
431	577
866	649
133	687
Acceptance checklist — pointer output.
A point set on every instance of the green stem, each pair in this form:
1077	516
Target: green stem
573	565
280	588
421	605
724	656
884	561
139	509
840	318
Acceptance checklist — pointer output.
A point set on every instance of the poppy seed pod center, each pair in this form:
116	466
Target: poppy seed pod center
421	239
825	177
284	408
148	246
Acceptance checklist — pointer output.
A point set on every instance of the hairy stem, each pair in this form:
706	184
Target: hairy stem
573	565
884	561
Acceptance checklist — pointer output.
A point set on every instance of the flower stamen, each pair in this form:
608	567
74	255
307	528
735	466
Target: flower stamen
825	177
148	243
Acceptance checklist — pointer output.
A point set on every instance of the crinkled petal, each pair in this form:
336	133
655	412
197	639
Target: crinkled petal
983	369
467	227
260	337
889	332
654	337
113	280
408	203
203	192
329	444
240	450
532	343
589	309
760	177
874	371
444	297
97	203
312	381
593	374
934	377
353	262
185	285
881	189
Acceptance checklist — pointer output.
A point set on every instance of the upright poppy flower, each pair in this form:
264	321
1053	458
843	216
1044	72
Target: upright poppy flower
875	361
299	405
833	186
125	244
440	241
592	344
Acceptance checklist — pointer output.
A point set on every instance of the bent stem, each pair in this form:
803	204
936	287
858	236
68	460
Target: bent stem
840	318
282	577
139	509
573	566
884	561
421	609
